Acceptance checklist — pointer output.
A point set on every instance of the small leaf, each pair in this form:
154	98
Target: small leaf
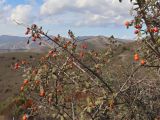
89	109
61	118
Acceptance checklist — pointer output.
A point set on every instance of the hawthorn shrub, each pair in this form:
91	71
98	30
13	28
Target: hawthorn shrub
146	24
69	83
61	85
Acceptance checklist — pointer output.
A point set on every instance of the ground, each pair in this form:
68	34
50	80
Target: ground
11	80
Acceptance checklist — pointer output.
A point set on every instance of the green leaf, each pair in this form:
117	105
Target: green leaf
82	116
89	109
61	118
158	41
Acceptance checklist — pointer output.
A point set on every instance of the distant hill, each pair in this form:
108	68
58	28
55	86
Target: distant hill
12	42
16	43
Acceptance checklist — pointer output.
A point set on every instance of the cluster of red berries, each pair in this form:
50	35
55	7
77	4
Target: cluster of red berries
16	66
36	36
136	58
35	32
130	23
139	26
25	82
84	46
52	53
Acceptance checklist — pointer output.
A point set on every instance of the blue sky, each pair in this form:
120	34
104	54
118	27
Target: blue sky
83	17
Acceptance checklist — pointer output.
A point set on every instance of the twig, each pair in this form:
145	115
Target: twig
73	111
127	81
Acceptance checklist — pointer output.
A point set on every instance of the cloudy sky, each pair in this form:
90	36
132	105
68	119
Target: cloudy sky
83	17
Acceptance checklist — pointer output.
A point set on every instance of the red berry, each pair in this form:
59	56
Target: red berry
54	55
136	57
37	82
51	52
25	117
42	93
127	23
155	29
143	62
33	38
37	35
25	82
34	72
16	66
22	88
138	26
65	46
136	31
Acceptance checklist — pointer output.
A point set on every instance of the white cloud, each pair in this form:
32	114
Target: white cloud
22	13
50	7
88	12
4	10
71	12
64	14
2	2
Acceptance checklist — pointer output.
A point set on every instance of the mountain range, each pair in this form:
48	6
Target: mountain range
17	43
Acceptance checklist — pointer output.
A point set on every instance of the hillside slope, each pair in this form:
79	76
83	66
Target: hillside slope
14	43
